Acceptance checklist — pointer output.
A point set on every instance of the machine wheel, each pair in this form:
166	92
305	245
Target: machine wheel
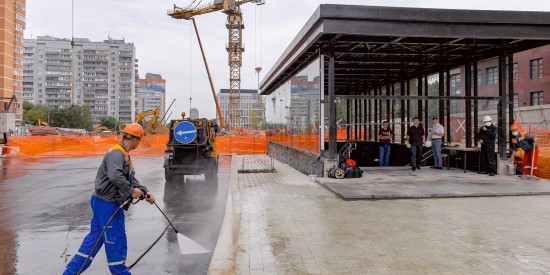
339	173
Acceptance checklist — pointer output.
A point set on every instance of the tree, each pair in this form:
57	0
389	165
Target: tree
253	118
31	113
109	122
79	117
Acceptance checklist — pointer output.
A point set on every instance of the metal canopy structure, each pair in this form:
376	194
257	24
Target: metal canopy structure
366	48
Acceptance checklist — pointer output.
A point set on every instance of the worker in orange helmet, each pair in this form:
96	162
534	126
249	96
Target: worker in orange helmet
520	139
115	185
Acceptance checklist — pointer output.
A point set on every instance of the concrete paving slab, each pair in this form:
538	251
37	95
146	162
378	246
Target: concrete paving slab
401	183
283	223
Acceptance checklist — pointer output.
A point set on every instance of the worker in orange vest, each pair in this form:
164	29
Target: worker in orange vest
520	139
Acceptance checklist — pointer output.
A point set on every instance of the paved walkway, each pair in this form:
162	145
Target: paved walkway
282	223
401	182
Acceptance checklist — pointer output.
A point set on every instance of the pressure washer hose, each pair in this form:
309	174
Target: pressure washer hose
103	232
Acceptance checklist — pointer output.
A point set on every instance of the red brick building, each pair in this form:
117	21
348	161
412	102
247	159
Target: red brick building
531	81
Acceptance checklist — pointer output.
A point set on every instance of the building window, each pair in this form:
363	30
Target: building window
535	68
516	72
18	27
516	100
537	98
20	17
19	6
492	75
455	84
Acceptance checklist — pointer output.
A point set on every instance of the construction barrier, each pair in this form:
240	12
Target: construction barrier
79	146
310	143
84	146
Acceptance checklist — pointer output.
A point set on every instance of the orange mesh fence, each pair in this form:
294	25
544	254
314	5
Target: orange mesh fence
79	146
542	139
244	145
308	143
83	146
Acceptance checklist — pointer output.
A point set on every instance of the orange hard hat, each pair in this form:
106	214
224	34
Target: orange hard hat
134	129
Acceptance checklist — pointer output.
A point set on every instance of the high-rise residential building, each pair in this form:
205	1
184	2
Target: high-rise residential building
194	112
104	75
12	25
252	115
151	94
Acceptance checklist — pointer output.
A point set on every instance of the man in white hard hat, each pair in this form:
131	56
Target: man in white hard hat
486	137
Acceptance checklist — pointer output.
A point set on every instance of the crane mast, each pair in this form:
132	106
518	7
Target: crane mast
234	48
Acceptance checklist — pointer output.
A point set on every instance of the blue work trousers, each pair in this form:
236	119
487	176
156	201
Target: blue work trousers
114	239
384	156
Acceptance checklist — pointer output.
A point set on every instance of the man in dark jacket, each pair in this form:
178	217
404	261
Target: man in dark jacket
486	137
416	134
114	184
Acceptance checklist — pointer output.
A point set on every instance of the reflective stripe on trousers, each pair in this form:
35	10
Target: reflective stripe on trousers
114	239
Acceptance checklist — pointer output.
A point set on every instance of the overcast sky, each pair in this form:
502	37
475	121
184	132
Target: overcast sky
168	47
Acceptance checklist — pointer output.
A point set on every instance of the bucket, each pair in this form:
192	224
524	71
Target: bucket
511	169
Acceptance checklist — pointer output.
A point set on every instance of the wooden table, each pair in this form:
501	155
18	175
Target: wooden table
464	154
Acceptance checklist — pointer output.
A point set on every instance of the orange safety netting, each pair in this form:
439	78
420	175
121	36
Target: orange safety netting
542	139
79	146
82	146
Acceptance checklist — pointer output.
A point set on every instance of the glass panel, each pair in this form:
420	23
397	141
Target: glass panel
293	111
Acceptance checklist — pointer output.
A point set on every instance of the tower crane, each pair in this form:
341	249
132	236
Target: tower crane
234	48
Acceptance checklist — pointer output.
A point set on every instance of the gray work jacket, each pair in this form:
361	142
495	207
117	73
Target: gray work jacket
115	179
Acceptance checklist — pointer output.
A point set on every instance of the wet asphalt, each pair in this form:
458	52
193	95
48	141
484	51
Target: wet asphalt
45	213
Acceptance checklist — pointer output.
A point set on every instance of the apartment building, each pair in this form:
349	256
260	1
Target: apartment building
251	107
12	26
104	75
151	93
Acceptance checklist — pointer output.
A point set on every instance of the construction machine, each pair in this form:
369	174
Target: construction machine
152	126
191	148
39	122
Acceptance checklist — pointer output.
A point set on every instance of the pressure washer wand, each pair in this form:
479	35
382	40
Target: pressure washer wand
166	217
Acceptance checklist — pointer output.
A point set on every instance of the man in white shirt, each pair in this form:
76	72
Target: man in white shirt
437	132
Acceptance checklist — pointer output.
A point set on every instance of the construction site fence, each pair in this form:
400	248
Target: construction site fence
85	146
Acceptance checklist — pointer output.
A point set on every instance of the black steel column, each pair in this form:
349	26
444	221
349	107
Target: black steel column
511	87
476	103
403	109
441	101
376	113
392	122
370	115
356	119
348	119
427	119
408	104
419	114
332	106
468	102
365	121
448	104
388	104
502	124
